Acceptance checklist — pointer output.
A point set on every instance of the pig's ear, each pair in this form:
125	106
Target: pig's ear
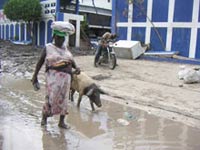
90	92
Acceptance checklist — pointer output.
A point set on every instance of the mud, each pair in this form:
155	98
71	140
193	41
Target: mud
137	113
21	115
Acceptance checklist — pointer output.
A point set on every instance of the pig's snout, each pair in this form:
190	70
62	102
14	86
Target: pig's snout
99	105
97	102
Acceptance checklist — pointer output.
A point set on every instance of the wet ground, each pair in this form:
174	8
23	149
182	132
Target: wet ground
113	126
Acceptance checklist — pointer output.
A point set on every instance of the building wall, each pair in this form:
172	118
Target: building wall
43	34
18	30
172	25
105	4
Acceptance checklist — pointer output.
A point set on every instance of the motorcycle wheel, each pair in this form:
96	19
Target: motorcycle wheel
113	61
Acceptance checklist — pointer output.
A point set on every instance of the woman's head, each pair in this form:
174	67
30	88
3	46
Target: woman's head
59	40
61	29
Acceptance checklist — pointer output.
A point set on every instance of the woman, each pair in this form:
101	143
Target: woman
59	62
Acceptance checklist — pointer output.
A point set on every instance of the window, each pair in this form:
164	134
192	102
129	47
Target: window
53	4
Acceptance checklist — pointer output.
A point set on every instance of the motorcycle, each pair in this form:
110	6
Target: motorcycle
108	57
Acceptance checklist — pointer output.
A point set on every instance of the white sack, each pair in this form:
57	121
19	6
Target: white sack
183	71
189	75
63	26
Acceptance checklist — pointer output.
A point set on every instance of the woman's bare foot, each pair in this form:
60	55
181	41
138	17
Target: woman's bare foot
64	126
61	123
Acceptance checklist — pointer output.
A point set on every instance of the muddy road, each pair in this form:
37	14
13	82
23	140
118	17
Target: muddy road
146	107
113	126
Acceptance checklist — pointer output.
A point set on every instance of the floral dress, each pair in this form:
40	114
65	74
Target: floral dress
57	83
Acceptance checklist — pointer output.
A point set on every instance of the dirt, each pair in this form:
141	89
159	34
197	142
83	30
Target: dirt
148	85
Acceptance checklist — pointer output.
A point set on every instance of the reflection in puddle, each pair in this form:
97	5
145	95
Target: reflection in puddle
20	108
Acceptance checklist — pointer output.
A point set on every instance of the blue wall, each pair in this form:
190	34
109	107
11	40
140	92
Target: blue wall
0	31
181	40
7	31
138	34
160	11
139	11
183	10
22	31
35	29
42	33
49	32
181	26
12	31
124	31
198	44
17	32
156	43
122	10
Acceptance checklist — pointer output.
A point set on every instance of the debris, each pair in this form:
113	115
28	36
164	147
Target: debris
128	49
129	116
161	53
21	42
123	122
189	75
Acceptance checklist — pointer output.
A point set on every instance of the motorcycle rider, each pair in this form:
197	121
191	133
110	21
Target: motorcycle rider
103	44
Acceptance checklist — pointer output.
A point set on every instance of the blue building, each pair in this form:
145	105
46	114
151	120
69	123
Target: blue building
50	12
168	25
74	12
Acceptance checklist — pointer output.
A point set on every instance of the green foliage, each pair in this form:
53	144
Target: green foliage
26	10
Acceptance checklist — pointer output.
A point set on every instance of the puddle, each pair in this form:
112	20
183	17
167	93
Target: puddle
20	108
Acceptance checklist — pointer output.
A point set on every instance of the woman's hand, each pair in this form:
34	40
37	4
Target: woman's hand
35	83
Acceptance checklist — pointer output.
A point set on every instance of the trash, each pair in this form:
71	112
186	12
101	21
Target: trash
128	116
128	49
123	122
192	77
189	75
161	53
25	42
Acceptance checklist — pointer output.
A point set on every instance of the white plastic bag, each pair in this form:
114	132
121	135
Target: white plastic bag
123	122
189	75
63	26
183	71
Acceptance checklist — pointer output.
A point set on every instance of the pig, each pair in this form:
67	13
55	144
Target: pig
85	85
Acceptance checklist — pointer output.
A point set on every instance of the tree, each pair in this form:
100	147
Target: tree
24	10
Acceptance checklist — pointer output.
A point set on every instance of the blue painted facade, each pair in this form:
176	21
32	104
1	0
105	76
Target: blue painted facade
160	14
183	10
198	45
168	25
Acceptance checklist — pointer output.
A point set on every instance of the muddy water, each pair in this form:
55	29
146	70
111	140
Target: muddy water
112	127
